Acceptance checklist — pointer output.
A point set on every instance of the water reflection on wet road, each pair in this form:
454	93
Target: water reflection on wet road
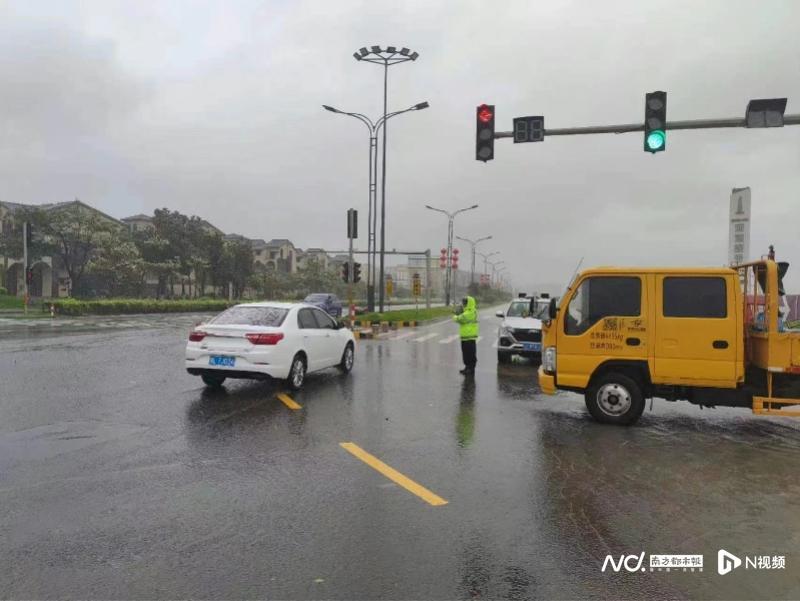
121	476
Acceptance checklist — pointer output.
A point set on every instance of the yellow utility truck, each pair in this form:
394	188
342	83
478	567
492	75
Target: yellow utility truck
712	336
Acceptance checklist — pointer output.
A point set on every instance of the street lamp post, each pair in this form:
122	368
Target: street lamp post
473	244
449	270
373	127
495	269
386	57
485	257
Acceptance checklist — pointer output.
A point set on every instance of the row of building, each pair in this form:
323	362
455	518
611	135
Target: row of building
49	279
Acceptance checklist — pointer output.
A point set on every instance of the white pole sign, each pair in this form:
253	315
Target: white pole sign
739	232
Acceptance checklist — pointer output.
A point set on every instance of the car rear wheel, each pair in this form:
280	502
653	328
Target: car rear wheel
348	358
213	381
297	373
503	357
615	399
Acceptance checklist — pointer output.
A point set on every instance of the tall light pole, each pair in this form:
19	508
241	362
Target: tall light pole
486	260
386	57
449	271
473	244
495	269
373	127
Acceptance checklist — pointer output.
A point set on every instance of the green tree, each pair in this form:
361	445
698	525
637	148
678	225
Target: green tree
157	260
238	261
186	240
73	234
269	283
117	265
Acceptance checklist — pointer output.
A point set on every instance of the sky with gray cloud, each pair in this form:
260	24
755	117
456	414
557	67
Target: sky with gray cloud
214	109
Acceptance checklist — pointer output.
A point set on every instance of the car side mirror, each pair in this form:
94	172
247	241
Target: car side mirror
500	314
552	308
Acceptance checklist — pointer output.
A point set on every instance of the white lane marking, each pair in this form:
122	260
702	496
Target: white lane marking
427	337
449	339
405	335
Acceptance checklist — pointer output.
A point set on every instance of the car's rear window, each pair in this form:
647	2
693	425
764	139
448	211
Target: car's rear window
252	316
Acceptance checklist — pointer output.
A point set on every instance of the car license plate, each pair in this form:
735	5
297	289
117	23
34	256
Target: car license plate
535	347
222	360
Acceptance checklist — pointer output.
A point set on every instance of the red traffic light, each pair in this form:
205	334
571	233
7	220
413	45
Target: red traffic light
485	114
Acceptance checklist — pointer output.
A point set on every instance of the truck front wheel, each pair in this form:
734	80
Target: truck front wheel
615	398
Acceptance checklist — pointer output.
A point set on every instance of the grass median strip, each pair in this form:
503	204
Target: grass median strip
393	475
288	401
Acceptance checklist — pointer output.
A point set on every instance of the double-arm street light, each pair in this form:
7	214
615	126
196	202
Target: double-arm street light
473	244
497	267
386	57
372	213
449	270
485	257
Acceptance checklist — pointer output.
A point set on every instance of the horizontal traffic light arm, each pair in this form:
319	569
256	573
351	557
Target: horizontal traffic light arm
634	127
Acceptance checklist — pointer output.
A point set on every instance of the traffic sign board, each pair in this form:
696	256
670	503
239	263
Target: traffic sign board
416	285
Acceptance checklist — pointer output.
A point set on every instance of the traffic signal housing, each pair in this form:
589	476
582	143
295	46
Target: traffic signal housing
484	139
356	273
346	273
655	122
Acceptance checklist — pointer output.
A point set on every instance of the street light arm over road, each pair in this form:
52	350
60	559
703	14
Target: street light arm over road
465	209
416	107
474	242
437	210
363	118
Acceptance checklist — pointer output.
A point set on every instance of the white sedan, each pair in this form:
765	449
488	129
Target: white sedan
268	340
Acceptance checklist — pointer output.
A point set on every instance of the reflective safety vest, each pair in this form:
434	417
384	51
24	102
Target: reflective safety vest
468	320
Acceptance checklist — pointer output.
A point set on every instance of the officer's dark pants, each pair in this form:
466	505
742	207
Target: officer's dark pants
469	353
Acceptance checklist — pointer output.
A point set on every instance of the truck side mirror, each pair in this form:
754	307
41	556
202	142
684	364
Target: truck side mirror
552	308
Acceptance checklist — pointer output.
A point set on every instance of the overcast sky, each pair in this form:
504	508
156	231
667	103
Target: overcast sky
214	109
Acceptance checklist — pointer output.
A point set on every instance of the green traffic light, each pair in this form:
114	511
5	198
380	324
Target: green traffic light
656	140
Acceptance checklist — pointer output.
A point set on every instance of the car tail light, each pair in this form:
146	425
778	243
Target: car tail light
196	336
265	338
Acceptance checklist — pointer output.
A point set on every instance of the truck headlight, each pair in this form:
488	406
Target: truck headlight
549	360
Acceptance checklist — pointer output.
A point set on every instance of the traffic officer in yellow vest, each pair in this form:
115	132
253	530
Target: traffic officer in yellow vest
468	330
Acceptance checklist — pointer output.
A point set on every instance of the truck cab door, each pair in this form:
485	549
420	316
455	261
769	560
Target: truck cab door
696	330
602	321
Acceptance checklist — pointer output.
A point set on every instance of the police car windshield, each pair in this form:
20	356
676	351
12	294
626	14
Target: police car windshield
522	309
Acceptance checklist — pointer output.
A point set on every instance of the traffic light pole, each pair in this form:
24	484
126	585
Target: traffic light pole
634	127
350	277
25	265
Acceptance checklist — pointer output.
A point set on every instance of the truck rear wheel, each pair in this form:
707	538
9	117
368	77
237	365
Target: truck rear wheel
615	398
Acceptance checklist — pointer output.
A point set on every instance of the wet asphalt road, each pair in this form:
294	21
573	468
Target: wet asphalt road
122	477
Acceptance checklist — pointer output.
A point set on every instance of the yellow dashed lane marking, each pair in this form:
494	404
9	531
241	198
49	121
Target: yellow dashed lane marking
288	401
393	475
